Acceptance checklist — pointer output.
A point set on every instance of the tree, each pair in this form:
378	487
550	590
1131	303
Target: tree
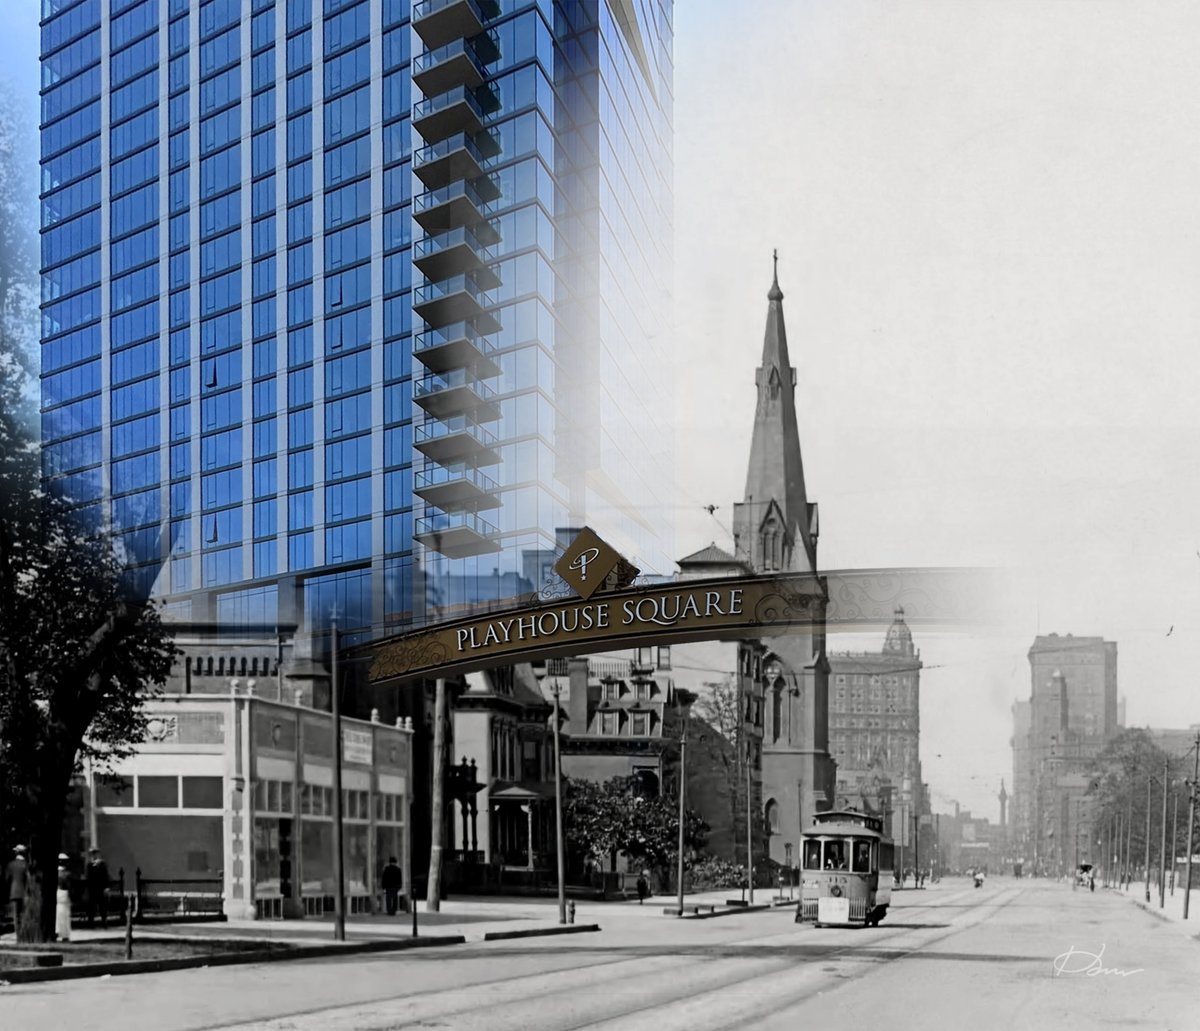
79	650
618	818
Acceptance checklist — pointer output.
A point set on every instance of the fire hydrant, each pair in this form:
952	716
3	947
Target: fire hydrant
571	912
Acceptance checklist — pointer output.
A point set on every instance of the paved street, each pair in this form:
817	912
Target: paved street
949	957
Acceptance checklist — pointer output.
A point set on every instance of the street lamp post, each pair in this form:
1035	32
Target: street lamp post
749	828
339	901
1149	785
556	690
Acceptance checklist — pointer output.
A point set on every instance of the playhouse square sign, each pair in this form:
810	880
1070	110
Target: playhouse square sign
677	612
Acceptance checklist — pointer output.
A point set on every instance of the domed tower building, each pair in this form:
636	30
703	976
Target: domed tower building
775	530
875	728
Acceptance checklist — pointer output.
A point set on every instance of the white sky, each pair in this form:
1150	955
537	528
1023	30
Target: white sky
988	225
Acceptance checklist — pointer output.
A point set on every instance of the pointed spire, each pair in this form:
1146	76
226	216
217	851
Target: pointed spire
776	525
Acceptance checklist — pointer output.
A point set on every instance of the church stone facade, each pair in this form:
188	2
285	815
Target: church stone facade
775	530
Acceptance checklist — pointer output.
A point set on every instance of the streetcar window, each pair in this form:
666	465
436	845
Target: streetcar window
835	855
812	855
862	857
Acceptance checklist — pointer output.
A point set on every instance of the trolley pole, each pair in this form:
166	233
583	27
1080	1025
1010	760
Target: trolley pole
1162	848
1187	887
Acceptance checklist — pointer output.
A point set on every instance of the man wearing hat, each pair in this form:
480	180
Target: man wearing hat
97	888
16	880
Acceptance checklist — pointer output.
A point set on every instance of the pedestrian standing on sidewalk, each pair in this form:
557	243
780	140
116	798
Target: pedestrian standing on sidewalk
62	900
392	880
16	883
97	889
643	888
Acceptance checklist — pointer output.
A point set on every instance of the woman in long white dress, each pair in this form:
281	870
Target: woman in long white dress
62	909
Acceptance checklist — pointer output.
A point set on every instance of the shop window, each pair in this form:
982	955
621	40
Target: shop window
158	792
114	792
203	793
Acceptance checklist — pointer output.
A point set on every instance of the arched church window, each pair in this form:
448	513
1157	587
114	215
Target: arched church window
772	817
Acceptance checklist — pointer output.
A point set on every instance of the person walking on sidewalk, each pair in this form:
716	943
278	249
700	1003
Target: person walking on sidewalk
16	883
97	889
392	881
643	887
62	900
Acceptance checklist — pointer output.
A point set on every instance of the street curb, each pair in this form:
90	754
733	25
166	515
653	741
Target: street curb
538	932
725	912
223	959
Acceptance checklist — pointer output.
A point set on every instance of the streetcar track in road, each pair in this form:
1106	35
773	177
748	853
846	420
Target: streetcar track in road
774	1005
720	950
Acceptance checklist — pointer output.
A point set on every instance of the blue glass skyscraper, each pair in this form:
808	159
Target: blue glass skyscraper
353	305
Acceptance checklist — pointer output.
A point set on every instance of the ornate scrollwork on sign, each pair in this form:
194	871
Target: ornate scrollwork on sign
553	588
785	605
403	655
870	597
160	729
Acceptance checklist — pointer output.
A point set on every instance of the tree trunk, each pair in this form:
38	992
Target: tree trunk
437	818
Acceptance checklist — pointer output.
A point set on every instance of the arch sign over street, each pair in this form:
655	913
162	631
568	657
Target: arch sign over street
606	615
595	606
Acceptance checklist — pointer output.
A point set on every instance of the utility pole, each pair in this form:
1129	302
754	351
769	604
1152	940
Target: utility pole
559	844
1187	888
749	828
339	899
433	890
1174	834
1162	848
1128	839
682	793
1149	785
916	849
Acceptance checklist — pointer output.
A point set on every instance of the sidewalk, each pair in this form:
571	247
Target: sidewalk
472	917
1172	910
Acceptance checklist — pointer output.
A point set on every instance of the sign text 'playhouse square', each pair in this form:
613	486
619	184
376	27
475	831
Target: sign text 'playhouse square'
716	609
667	611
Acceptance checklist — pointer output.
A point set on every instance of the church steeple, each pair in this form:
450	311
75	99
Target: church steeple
775	527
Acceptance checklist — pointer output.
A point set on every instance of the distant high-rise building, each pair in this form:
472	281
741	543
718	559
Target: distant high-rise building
1072	715
350	304
1022	794
875	724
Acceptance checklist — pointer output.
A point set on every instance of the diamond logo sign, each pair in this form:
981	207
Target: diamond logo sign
586	564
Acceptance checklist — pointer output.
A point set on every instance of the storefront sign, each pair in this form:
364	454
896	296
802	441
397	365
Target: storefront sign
356	746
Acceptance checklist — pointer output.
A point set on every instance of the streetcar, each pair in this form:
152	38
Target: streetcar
846	878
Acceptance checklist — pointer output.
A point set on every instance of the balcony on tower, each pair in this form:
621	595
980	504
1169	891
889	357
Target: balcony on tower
458	204
456	439
459	63
457	299
456	534
457	157
456	250
456	488
437	22
456	346
460	109
455	392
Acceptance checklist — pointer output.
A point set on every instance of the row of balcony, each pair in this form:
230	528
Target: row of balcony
456	259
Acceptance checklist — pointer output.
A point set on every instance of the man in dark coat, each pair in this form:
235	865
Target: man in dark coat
97	888
16	883
392	880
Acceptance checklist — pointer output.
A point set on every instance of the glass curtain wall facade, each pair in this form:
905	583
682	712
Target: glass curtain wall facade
352	305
